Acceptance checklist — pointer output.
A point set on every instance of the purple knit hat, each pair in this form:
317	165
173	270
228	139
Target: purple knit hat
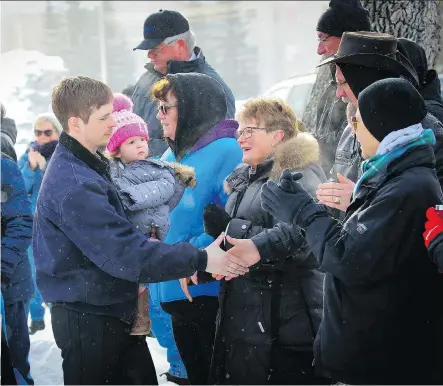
128	124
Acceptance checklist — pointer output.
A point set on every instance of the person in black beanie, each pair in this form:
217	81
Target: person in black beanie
344	16
341	16
428	82
382	294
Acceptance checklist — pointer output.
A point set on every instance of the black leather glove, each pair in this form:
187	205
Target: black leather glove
289	202
215	220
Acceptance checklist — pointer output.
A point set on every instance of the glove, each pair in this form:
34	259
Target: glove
215	220
433	227
289	202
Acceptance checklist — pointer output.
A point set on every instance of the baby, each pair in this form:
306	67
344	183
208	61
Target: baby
148	188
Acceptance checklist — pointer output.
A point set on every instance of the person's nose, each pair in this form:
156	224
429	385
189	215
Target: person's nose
321	48
340	93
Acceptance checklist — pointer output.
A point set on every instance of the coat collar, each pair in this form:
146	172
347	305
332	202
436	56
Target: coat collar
97	161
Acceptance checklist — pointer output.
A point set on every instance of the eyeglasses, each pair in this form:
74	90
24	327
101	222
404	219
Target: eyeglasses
342	83
48	133
165	108
324	39
247	132
166	42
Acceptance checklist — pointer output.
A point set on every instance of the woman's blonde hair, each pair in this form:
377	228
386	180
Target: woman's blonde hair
48	117
273	114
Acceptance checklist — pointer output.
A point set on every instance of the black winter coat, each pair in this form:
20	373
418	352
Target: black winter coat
383	299
275	307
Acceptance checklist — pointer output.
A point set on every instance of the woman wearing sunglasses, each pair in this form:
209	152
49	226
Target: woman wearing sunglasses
192	110
32	164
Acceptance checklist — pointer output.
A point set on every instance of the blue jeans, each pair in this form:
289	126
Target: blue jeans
162	328
36	308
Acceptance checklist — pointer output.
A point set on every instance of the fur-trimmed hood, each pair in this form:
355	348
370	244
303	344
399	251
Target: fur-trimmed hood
295	154
185	174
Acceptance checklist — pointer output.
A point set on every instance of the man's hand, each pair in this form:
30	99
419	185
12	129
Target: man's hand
336	194
185	282
33	158
243	252
219	261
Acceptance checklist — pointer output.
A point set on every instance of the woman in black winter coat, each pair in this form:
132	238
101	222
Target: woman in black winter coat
268	318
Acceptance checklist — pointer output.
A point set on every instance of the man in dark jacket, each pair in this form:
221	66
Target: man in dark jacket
340	17
382	305
171	48
88	256
362	59
16	284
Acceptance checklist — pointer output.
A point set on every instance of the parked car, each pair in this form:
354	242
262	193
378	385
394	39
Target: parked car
294	91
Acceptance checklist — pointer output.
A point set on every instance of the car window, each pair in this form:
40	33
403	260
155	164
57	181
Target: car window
299	97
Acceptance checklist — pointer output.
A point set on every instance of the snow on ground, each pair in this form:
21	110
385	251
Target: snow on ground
46	360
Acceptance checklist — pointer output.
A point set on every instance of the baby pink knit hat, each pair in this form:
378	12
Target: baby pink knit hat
128	124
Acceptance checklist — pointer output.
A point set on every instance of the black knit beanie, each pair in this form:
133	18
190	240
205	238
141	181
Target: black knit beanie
389	105
359	77
344	16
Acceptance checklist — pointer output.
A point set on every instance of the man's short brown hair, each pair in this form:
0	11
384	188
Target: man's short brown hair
161	89
77	96
272	114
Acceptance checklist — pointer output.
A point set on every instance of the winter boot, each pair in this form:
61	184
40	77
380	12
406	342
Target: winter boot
142	321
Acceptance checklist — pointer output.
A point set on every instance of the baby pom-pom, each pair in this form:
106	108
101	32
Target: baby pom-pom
122	102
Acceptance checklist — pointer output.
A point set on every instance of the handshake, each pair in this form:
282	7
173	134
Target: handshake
223	264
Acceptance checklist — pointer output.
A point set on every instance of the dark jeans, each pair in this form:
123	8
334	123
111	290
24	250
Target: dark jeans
17	335
7	372
194	331
98	350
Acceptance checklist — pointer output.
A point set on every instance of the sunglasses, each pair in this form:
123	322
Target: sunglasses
48	133
165	108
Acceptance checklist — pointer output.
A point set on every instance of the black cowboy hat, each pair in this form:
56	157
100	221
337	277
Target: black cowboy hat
373	50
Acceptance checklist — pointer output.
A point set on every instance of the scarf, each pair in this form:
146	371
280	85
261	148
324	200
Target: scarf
46	149
393	147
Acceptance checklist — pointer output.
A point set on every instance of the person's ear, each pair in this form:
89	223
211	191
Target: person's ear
74	124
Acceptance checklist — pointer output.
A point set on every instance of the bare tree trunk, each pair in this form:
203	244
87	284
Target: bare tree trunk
417	20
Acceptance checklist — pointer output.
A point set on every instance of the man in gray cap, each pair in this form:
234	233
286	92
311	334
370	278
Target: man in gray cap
170	46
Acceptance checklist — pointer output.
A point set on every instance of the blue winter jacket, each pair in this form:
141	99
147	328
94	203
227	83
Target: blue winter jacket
17	284
88	256
206	142
33	178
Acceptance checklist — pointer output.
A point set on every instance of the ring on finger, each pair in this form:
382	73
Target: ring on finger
337	200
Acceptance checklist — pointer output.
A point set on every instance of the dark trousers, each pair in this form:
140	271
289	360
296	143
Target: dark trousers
194	331
17	335
7	372
98	350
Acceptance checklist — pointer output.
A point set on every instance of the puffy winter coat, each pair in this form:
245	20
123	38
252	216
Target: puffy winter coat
146	108
17	284
275	308
149	190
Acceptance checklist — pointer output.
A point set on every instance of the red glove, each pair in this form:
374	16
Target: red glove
433	227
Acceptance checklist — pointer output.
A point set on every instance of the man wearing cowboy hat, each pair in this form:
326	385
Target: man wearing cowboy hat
362	59
341	16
